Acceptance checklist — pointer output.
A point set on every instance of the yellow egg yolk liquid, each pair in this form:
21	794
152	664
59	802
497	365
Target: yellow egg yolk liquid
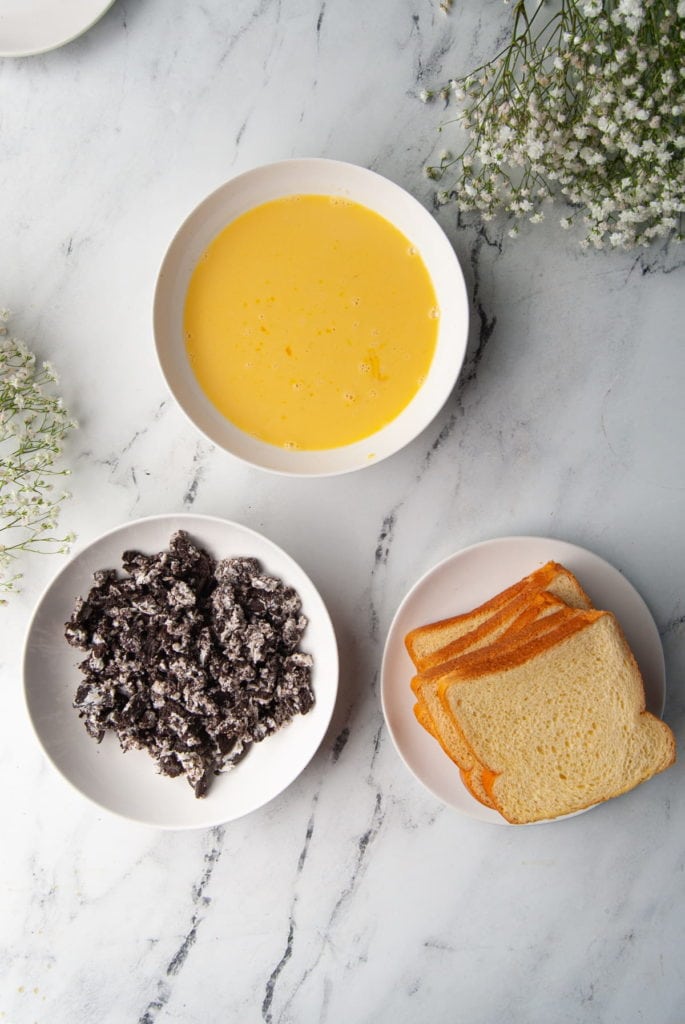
310	322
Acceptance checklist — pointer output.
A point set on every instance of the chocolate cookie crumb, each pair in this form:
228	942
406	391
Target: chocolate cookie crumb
190	659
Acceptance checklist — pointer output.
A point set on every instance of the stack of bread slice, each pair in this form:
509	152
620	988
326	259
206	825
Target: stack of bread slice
537	698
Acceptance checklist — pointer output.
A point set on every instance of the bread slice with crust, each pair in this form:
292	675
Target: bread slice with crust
427	685
425	643
527	607
558	724
515	616
473	779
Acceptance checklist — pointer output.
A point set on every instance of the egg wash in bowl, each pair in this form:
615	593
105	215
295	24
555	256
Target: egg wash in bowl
310	322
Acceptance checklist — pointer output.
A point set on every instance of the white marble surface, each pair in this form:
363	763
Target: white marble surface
354	896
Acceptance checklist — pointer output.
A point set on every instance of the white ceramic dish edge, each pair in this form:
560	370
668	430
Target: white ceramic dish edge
324	177
499	562
28	29
126	784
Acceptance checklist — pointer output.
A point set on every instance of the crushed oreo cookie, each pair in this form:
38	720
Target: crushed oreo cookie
190	659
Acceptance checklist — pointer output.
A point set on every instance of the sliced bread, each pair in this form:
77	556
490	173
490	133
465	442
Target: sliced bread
425	641
429	711
428	686
527	607
558	724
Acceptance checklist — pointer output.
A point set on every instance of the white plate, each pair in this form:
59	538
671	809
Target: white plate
28	27
464	581
127	783
313	177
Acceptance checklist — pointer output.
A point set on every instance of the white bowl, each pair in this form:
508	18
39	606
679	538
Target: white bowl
29	27
313	177
127	784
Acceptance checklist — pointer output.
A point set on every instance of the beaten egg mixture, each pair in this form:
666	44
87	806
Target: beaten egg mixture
310	322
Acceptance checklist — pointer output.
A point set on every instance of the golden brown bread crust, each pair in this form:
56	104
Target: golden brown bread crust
473	783
518	649
536	580
425	642
471	779
422	716
514	615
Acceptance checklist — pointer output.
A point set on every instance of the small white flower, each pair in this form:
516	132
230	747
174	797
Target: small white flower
33	424
632	13
591	119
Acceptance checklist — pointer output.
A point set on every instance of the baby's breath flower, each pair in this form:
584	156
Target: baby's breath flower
587	110
33	424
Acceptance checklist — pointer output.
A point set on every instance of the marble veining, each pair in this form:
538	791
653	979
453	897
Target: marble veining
354	896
